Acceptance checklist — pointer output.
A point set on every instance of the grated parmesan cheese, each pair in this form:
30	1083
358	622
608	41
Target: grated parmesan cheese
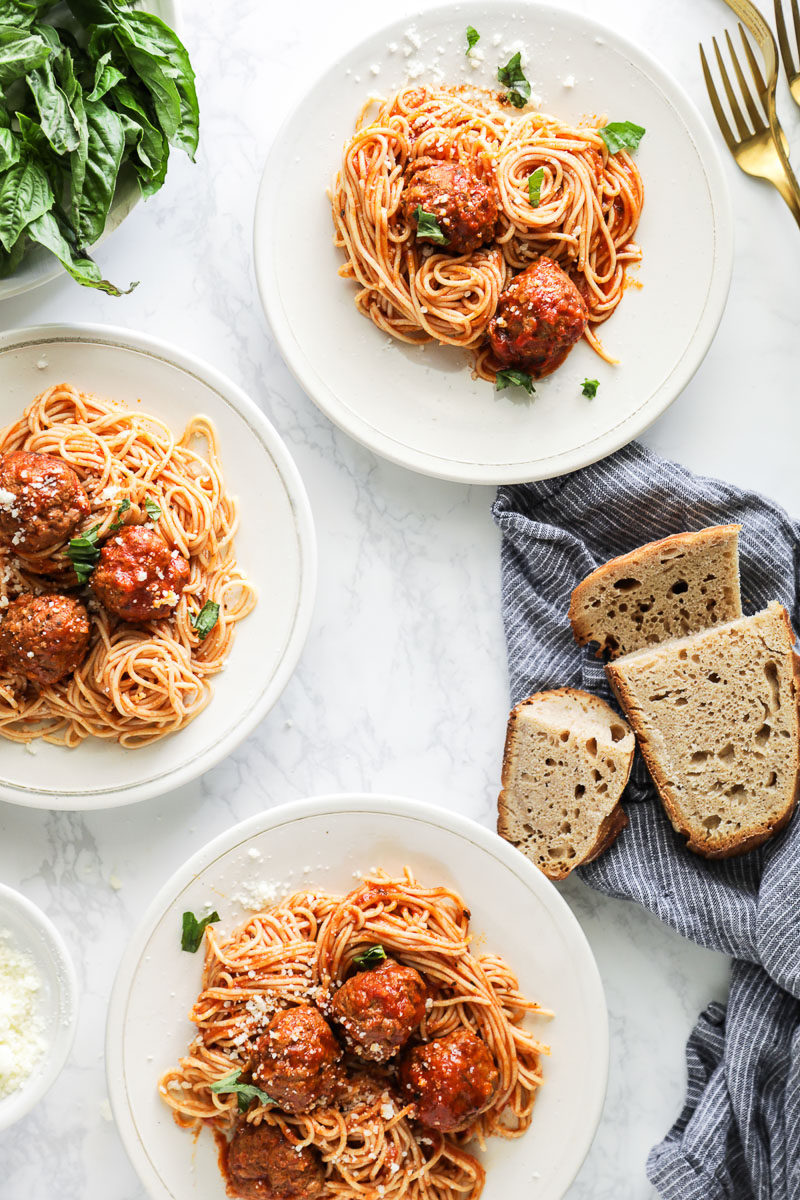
21	1024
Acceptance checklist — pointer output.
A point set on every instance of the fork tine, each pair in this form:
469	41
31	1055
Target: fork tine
752	62
719	113
735	107
759	125
783	37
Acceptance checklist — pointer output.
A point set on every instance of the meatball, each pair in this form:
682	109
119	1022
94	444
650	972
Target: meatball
42	501
262	1162
450	1080
539	318
296	1059
44	638
380	1009
463	205
137	576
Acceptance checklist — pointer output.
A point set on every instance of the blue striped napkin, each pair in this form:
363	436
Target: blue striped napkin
738	1135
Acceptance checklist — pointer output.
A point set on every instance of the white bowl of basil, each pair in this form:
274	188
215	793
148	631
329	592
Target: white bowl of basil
93	95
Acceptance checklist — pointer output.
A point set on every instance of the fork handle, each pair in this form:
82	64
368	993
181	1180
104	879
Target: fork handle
790	195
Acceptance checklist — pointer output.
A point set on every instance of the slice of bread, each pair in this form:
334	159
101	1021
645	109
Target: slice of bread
663	590
716	718
567	759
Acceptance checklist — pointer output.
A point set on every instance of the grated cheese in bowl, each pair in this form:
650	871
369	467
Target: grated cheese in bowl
22	1042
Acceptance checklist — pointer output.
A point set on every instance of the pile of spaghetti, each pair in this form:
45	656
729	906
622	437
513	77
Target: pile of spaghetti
138	682
589	203
294	953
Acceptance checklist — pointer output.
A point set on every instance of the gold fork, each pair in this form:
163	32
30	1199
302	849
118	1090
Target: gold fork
760	147
792	72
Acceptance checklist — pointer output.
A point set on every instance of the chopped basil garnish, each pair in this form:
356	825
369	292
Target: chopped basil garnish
193	930
118	523
245	1092
428	227
589	388
514	378
621	135
512	75
473	37
535	187
370	957
153	511
83	552
204	621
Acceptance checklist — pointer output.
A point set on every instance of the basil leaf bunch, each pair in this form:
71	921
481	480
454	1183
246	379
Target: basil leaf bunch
87	87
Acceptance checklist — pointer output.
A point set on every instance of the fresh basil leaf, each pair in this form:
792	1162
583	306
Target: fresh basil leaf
621	135
428	227
370	957
151	35
59	123
513	77
204	621
25	194
513	378
10	261
152	148
156	75
104	146
20	52
83	552
192	930
535	187
51	234
106	76
245	1092
589	388
93	12
153	509
473	37
117	523
9	149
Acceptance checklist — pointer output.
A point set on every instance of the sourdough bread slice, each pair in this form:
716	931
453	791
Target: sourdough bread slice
715	715
666	589
567	759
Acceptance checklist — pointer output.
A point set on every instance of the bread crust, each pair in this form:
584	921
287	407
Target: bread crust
612	824
733	846
674	541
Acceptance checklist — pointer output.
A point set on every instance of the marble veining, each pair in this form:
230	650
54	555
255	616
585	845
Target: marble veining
402	687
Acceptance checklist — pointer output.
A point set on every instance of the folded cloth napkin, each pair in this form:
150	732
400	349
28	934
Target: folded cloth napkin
738	1135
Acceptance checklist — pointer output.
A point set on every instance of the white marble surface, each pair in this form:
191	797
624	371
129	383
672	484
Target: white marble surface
402	686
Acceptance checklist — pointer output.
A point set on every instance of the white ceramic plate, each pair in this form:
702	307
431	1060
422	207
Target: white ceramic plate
35	934
274	544
39	266
516	912
419	406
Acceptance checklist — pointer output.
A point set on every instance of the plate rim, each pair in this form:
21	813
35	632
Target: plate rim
332	804
460	471
158	348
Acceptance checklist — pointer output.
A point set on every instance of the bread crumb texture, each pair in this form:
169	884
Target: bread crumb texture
567	760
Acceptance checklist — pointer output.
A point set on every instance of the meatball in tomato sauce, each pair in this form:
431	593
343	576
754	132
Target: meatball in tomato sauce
43	638
450	1080
263	1163
539	318
42	501
295	1060
380	1009
464	206
138	577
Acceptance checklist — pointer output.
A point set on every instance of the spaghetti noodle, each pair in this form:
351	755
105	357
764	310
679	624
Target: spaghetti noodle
588	207
138	682
300	950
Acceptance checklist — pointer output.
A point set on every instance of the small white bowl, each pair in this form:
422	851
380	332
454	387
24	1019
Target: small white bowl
35	934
